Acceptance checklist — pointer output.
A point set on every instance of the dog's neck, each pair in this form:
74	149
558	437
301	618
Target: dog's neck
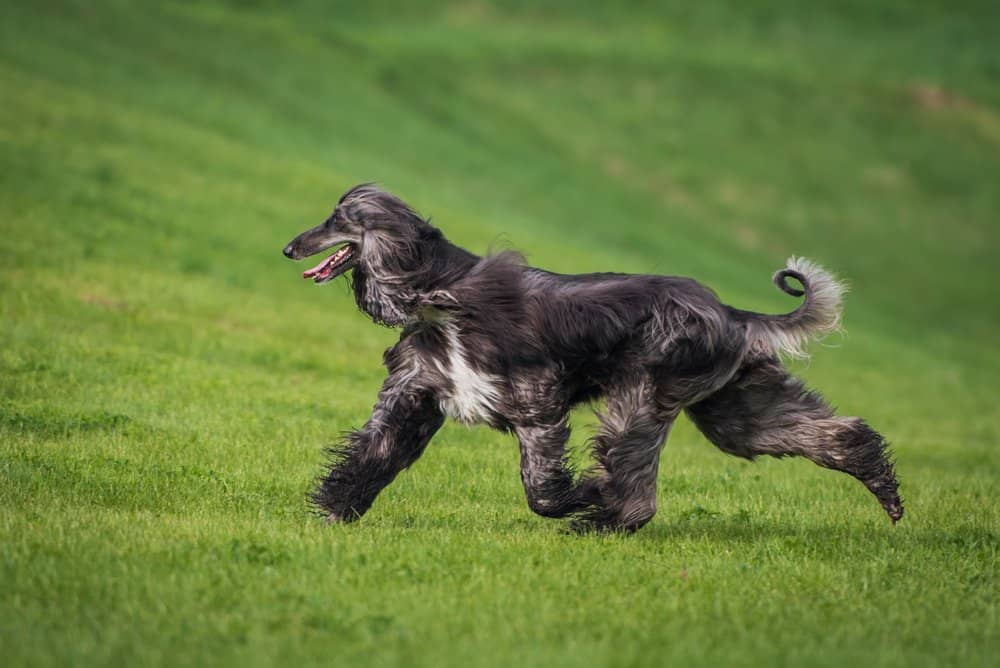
401	291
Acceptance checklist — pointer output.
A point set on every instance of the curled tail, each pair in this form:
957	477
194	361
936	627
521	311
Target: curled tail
817	316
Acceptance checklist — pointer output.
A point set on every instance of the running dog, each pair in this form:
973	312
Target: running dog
489	340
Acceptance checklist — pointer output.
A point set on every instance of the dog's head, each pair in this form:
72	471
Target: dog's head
385	242
369	225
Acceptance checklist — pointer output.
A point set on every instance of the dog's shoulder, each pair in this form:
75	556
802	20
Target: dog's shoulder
492	288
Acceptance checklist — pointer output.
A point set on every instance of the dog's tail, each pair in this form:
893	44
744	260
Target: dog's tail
818	315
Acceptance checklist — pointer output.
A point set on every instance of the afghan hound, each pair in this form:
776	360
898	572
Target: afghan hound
489	340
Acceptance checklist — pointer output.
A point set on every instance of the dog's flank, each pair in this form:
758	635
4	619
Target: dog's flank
491	340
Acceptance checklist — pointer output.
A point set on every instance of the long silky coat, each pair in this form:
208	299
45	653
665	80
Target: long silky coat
490	340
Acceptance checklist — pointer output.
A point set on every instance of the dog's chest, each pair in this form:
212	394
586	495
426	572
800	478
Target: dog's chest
471	396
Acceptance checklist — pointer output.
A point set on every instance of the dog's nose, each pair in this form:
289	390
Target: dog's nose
288	250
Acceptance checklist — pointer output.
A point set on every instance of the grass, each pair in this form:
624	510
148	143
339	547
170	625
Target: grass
167	383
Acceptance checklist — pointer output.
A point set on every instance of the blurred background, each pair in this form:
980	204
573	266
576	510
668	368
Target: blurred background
179	144
712	140
158	354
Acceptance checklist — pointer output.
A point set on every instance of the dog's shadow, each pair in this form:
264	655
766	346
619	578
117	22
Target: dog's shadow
831	539
735	529
834	540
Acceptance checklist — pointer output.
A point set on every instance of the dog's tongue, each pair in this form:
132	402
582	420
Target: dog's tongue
309	273
326	267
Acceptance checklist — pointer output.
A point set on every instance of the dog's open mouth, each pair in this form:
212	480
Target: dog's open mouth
333	266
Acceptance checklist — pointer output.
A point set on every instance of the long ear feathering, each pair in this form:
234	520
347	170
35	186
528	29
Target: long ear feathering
402	258
818	316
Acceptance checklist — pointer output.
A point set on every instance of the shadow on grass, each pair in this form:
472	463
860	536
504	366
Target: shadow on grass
741	528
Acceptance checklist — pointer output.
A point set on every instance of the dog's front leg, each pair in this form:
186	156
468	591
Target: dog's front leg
404	420
545	473
627	448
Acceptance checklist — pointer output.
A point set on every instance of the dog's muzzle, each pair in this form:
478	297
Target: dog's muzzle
333	266
317	240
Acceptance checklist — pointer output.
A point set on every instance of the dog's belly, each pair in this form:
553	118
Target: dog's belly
472	396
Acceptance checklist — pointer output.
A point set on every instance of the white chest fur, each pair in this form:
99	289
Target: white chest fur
473	394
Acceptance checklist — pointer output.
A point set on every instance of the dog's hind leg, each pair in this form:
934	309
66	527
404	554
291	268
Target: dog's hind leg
764	410
627	449
404	420
545	473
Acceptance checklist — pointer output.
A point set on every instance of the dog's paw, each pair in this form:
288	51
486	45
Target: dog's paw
894	509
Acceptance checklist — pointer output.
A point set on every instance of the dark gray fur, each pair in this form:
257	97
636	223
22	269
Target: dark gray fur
490	340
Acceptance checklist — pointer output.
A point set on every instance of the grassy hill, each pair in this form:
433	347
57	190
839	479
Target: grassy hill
167	382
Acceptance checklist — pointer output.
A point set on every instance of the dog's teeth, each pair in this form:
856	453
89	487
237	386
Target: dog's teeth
328	265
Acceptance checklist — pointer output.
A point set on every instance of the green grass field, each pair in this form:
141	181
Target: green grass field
168	382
